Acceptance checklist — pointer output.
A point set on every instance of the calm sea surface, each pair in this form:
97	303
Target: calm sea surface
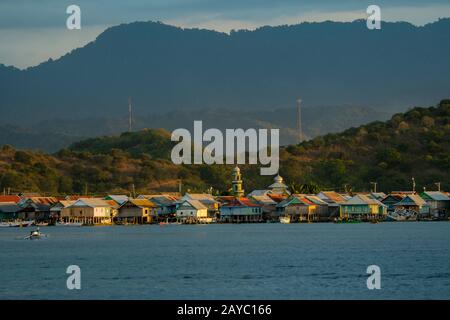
253	261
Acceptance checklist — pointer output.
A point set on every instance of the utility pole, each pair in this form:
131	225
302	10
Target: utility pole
133	191
438	184
374	186
413	185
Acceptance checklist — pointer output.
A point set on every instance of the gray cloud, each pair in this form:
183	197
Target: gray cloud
16	14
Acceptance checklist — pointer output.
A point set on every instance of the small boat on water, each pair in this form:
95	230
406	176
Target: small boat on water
402	215
16	224
35	235
41	224
347	221
285	219
68	224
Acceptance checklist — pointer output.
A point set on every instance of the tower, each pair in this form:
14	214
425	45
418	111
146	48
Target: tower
130	116
299	120
278	186
238	192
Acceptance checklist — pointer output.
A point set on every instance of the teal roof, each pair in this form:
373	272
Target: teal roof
435	195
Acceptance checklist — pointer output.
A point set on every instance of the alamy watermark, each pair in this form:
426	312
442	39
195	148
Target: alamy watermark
74	280
73	22
232	150
374	17
374	280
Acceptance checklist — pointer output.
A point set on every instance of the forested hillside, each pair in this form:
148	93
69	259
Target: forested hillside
413	144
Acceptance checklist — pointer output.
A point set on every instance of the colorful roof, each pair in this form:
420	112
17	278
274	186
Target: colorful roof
258	193
10	198
41	200
239	202
436	195
264	200
64	203
93	203
161	199
361	199
393	197
331	196
316	200
141	203
196	204
412	200
295	199
119	198
277	197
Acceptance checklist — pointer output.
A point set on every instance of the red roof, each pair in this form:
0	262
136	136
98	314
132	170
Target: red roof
239	202
304	199
14	199
277	197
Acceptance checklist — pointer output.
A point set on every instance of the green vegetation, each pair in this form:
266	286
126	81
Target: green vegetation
413	144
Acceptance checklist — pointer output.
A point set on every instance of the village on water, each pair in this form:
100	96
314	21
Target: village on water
273	204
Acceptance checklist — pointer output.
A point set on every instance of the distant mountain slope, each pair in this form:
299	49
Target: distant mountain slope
44	139
53	134
413	144
165	68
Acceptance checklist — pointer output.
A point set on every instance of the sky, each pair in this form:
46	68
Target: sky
32	31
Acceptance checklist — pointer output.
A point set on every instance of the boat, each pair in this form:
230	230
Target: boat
41	224
8	224
346	221
68	224
285	219
402	215
35	235
16	224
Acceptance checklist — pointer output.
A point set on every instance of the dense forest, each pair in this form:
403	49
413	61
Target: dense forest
412	144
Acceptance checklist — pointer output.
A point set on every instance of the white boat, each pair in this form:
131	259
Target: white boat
17	224
68	224
403	215
35	235
285	219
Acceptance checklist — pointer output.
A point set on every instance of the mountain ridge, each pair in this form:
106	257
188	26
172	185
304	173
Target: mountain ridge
165	68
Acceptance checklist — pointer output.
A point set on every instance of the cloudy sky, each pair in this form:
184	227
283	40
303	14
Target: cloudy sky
32	31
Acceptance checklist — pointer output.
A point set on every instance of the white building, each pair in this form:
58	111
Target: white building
192	211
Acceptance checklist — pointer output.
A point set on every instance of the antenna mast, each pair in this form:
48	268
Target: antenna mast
299	120
130	116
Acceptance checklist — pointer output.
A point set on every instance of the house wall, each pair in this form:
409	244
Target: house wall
86	212
192	213
354	209
298	210
240	211
129	212
8	216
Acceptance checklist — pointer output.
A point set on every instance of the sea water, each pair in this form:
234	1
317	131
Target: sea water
225	261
